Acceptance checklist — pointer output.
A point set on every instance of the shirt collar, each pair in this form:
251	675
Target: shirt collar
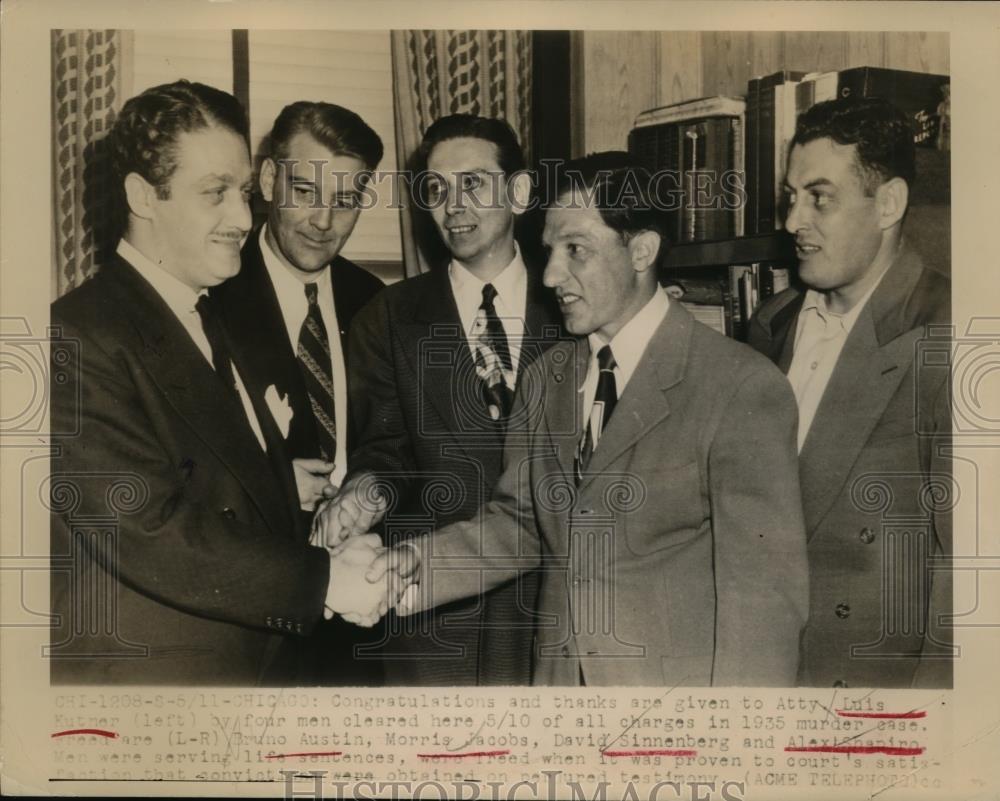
628	345
175	293
285	283
816	302
509	284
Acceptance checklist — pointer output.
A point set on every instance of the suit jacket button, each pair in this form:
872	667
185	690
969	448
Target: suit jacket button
565	651
867	536
840	683
842	611
558	377
228	513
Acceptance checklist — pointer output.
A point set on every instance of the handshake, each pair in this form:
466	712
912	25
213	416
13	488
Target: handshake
366	579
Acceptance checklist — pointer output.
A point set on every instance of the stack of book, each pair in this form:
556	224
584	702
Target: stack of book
725	298
695	151
775	101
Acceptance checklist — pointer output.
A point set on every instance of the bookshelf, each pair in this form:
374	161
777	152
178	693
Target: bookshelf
776	247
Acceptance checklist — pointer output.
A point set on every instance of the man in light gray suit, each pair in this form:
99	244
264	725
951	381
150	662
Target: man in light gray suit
649	470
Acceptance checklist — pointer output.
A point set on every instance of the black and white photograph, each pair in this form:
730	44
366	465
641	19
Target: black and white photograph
591	387
731	531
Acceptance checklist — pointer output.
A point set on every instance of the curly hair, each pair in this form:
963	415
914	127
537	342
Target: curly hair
881	133
144	137
338	129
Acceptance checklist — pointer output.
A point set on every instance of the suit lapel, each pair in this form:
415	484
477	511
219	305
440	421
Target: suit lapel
438	350
564	404
781	327
192	387
876	357
865	377
643	403
254	312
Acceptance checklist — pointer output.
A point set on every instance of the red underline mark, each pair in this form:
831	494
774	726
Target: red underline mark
304	754
465	755
860	749
882	715
98	732
680	752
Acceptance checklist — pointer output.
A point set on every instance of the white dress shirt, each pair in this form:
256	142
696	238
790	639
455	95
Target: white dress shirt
511	301
294	307
819	339
182	299
627	346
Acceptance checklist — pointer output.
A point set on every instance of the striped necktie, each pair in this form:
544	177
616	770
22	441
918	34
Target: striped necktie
317	370
492	357
604	404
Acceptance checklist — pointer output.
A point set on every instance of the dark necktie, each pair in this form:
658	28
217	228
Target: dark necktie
221	360
604	404
492	357
317	370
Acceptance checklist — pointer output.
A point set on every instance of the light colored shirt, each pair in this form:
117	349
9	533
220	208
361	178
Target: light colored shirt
294	307
819	339
627	346
181	300
511	301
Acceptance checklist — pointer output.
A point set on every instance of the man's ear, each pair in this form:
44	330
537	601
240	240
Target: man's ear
519	191
268	172
140	195
643	247
891	199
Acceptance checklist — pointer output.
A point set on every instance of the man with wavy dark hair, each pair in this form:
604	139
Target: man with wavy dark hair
649	471
871	416
435	361
205	561
292	304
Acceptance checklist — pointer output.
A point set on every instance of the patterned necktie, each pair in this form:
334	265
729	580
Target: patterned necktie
604	404
492	357
221	360
317	370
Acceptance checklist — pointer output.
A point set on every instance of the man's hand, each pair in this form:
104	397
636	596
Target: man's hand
312	479
399	568
357	507
348	594
366	580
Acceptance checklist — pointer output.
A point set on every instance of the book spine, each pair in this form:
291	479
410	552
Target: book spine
738	214
765	169
751	156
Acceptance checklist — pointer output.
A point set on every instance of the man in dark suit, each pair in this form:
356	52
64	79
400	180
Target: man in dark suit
314	178
434	364
289	311
649	469
179	556
873	425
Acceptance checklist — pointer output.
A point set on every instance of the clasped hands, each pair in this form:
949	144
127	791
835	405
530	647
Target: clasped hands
366	579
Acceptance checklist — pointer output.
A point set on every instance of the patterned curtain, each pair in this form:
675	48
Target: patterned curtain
436	73
87	91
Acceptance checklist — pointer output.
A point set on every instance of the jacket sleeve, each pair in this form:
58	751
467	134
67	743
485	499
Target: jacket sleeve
502	541
171	542
383	445
936	663
761	573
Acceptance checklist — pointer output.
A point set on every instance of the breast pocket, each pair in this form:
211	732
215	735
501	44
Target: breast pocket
672	513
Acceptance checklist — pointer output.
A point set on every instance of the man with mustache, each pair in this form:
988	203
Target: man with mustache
434	364
175	496
651	474
874	422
